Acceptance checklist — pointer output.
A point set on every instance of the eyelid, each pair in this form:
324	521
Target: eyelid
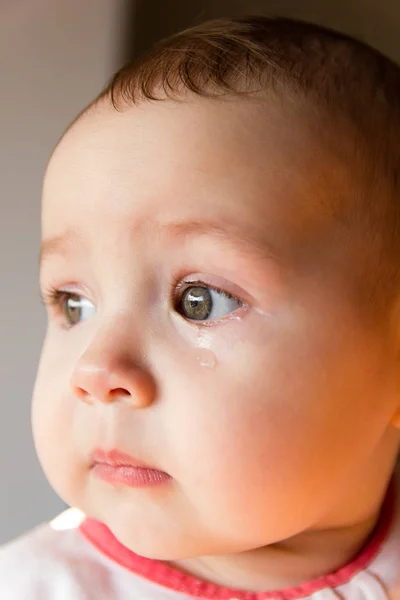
73	289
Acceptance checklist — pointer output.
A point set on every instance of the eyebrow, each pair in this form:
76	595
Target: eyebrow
59	244
246	241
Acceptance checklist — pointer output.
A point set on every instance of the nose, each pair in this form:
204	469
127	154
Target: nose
107	374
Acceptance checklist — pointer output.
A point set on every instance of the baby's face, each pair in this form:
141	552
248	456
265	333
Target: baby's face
211	331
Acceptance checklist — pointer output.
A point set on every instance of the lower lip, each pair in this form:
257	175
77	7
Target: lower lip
131	476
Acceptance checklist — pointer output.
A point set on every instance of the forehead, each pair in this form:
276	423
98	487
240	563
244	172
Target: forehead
226	160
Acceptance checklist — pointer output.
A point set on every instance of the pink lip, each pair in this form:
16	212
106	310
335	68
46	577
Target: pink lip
117	467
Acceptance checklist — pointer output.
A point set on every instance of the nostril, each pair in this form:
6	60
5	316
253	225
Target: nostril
83	396
120	392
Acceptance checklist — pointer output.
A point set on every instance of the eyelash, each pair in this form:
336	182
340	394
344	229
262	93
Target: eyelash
52	296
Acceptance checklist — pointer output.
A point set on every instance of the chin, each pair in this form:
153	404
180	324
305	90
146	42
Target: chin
156	546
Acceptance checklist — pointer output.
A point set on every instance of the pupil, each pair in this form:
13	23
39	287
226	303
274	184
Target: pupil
196	303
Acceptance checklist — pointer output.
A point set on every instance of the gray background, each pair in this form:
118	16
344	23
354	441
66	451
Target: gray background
55	56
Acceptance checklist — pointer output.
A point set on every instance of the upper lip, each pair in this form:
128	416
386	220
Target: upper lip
116	458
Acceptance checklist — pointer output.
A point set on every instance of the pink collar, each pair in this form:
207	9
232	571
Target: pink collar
101	537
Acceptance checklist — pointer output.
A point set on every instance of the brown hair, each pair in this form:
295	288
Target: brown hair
355	87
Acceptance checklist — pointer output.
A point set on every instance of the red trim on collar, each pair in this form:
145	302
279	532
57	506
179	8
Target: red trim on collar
156	571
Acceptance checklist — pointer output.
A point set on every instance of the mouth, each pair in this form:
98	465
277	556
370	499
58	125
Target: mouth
116	467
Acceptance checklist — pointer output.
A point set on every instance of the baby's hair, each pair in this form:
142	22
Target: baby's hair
353	92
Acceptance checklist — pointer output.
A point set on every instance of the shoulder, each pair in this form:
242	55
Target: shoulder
49	563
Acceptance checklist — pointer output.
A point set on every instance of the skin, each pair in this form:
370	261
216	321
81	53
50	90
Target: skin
280	453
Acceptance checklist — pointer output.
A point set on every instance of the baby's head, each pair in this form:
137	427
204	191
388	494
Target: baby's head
221	264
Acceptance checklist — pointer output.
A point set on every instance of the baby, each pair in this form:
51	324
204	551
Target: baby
218	396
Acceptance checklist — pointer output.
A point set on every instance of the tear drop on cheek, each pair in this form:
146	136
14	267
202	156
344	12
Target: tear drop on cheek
206	358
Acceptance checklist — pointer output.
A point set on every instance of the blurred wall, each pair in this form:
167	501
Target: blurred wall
55	55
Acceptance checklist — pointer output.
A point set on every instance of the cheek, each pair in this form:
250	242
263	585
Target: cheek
53	419
274	420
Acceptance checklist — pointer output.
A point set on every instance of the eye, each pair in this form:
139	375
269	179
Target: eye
76	308
73	307
203	303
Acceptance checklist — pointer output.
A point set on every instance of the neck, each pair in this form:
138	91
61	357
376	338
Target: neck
303	558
